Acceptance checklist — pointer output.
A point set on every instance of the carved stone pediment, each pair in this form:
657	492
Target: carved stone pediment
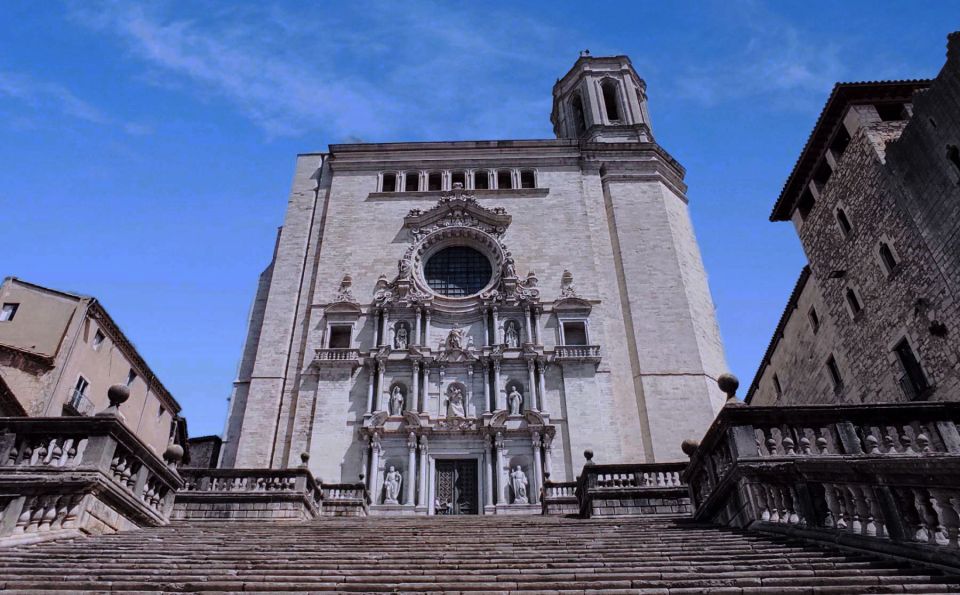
412	420
457	209
378	419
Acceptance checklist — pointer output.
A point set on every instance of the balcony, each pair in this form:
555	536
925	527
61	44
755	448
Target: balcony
578	354
337	357
79	404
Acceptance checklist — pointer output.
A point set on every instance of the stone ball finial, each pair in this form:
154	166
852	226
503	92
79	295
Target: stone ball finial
304	459
117	395
689	446
588	454
729	384
458	185
174	454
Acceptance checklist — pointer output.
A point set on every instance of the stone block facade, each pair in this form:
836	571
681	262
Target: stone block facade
874	199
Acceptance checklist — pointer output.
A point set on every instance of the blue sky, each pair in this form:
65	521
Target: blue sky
148	149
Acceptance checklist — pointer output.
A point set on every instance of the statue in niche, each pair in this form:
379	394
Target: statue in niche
511	335
456	339
515	399
396	401
509	268
391	486
518	481
402	336
455	403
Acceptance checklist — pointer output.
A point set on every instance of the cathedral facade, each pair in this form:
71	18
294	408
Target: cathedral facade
453	323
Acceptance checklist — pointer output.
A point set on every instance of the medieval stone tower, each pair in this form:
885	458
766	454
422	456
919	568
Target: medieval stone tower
451	322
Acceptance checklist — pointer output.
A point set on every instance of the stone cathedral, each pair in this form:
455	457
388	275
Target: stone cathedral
452	323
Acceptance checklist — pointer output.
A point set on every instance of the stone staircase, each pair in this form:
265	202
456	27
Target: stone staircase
455	554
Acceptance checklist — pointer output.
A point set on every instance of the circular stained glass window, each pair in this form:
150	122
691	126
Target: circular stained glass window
457	271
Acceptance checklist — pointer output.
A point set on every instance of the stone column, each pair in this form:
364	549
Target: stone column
426	335
541	384
384	322
469	387
411	467
422	489
536	325
425	389
526	325
531	387
497	339
440	374
537	479
486	385
501	479
486	327
413	398
372	367
498	395
381	367
488	469
374	484
416	333
364	460
548	454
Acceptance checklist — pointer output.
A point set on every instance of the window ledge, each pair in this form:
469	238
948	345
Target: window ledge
505	193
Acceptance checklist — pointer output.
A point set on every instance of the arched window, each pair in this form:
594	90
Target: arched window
611	101
481	180
528	179
576	106
504	179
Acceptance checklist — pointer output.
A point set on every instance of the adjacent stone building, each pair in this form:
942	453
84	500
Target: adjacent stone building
875	200
453	322
60	352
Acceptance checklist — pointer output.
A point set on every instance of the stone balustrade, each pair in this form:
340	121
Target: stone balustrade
345	499
559	498
577	353
632	489
79	475
290	494
884	477
337	357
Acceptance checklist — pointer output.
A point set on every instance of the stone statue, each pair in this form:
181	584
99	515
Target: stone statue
401	338
456	339
511	335
391	486
396	401
455	403
518	481
515	399
509	268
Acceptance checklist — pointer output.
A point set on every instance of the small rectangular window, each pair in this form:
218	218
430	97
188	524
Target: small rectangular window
81	386
131	377
389	183
98	339
435	181
890	112
481	180
805	204
574	333
834	371
844	222
458	177
914	381
161	410
814	320
412	180
504	179
887	258
853	301
528	179
776	386
340	337
8	311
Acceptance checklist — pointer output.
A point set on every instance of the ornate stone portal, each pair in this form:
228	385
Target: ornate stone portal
479	448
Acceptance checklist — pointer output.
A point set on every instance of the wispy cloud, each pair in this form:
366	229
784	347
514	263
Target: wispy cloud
46	97
775	60
292	73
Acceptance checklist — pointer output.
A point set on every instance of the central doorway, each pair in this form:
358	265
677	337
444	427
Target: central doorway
456	487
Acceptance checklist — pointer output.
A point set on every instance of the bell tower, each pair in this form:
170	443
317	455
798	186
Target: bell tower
601	99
